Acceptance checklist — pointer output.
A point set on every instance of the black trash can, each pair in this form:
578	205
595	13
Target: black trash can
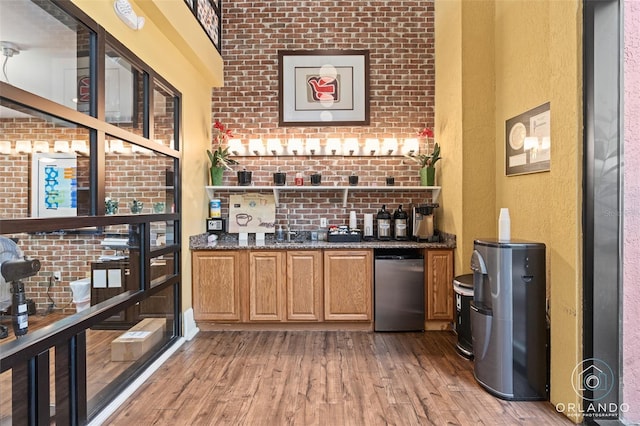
463	289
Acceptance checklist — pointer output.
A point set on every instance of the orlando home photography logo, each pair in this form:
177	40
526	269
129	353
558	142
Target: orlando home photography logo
592	380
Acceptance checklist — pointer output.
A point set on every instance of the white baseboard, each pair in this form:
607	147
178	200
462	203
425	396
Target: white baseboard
189	326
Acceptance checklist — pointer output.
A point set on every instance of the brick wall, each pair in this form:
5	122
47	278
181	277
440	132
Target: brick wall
399	37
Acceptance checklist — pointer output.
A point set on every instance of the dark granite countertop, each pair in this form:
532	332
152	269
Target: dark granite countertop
230	242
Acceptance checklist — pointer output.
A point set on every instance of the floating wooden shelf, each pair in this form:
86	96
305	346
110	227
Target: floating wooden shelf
211	190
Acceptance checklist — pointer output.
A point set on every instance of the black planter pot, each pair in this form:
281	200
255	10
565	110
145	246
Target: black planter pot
279	178
244	178
316	179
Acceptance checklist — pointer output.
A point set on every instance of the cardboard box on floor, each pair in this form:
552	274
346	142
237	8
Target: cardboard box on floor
138	340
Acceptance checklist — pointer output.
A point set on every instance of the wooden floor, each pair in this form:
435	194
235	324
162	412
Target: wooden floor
322	378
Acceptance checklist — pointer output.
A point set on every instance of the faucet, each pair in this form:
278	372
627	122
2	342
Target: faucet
289	231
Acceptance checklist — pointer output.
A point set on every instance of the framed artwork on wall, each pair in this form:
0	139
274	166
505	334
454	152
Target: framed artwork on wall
323	87
54	185
528	142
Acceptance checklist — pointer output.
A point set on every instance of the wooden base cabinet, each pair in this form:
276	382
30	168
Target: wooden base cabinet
304	285
280	286
216	285
266	286
439	281
348	284
285	285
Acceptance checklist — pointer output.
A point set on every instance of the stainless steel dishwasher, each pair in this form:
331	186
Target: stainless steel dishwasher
398	290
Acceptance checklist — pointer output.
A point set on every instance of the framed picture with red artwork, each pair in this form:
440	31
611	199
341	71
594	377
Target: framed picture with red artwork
323	87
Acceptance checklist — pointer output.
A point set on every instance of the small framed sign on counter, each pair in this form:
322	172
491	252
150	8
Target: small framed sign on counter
252	213
528	141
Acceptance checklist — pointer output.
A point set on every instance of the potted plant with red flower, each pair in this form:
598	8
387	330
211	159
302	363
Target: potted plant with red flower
219	154
427	161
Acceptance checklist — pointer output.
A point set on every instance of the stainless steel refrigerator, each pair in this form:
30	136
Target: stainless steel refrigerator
508	319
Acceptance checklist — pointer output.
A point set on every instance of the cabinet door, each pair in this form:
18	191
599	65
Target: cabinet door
439	271
304	285
266	286
347	285
216	285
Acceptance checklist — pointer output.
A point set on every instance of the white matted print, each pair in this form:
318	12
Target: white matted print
323	88
54	185
528	141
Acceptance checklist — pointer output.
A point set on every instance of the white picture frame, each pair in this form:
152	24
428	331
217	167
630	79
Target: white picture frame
54	185
323	87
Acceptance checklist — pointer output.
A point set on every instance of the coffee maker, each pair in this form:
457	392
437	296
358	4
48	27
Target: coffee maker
423	222
400	222
383	219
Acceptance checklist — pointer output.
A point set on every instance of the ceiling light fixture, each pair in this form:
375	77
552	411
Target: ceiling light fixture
8	50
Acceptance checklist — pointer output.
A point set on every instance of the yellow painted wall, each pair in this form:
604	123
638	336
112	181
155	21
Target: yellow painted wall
540	53
465	87
478	91
535	48
188	61
448	121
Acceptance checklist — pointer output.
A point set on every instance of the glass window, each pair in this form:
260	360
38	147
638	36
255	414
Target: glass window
87	262
44	162
46	167
94	267
47	54
137	179
162	234
162	268
124	93
112	357
164	105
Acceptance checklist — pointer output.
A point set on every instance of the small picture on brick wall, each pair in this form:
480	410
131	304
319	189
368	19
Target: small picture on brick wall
54	185
323	87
